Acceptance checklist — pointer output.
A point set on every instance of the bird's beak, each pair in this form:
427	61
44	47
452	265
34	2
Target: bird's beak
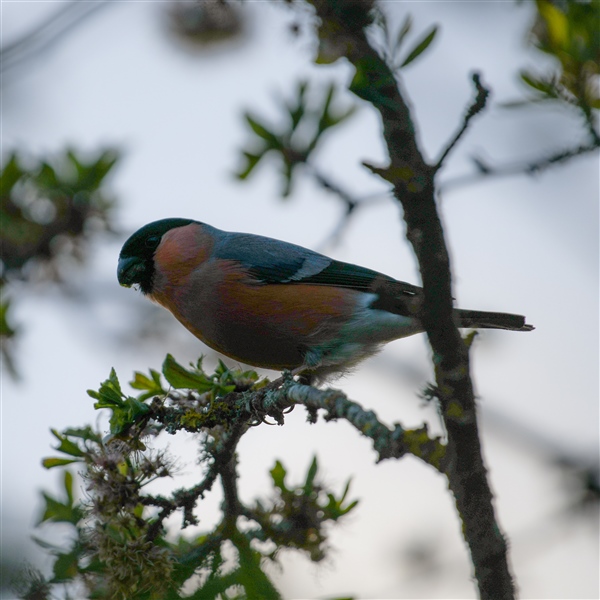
129	270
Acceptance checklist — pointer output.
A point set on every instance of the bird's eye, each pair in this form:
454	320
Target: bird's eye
152	241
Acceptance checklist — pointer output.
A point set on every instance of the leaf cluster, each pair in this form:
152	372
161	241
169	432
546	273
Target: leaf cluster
306	120
8	331
48	211
190	409
392	44
569	31
46	203
295	519
119	547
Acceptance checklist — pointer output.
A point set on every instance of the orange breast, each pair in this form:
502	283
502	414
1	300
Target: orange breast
264	325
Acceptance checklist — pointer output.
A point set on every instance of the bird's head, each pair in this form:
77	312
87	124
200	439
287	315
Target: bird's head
136	260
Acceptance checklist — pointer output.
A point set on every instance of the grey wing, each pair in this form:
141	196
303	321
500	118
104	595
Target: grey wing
274	261
270	260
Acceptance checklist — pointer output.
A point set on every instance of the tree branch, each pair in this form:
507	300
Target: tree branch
242	409
223	456
342	27
227	471
388	443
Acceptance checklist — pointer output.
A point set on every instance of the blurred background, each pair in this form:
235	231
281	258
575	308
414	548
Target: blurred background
139	107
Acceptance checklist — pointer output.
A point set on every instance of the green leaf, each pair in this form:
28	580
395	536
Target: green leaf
402	33
278	474
328	118
85	433
109	395
335	508
511	104
11	173
420	47
60	512
255	581
222	370
68	484
181	378
261	131
538	84
6	329
557	23
66	445
325	109
310	477
125	409
346	489
152	385
47	178
66	566
141	382
251	161
298	111
126	415
50	463
54	548
288	171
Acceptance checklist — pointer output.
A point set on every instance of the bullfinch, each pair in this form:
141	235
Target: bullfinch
275	305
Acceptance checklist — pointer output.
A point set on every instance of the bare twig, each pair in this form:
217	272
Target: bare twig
476	107
326	182
487	171
48	32
222	456
351	205
589	117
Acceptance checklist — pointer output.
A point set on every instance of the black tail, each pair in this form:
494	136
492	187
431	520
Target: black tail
479	319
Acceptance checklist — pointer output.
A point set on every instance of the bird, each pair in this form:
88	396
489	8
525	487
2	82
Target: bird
275	305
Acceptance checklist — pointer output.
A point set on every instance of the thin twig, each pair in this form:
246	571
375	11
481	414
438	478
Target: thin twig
487	171
186	499
476	107
351	205
42	36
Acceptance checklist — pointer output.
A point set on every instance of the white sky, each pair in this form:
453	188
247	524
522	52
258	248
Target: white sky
521	245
